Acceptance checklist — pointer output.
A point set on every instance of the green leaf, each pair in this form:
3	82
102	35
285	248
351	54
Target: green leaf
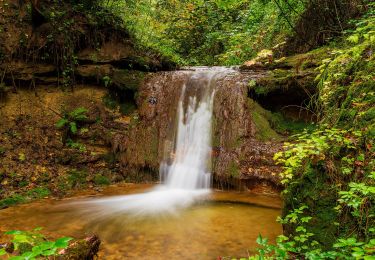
358	254
80	117
62	242
17	258
37	250
354	38
14	232
21	238
73	127
47	245
3	252
29	255
300	229
62	122
50	252
262	241
79	113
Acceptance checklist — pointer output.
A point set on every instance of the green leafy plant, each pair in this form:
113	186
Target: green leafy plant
70	123
107	81
71	119
33	245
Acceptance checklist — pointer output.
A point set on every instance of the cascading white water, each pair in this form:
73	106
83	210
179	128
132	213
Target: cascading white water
192	155
186	174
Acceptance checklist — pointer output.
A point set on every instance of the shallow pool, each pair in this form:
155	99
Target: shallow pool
224	224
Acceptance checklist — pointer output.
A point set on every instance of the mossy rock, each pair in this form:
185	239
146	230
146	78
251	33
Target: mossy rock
128	79
261	118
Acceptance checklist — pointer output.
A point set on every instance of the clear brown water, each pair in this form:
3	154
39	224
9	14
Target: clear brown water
226	224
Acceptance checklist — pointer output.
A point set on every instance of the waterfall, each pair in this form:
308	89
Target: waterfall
191	158
186	172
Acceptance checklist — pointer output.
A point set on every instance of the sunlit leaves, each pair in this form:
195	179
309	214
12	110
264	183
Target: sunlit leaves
40	246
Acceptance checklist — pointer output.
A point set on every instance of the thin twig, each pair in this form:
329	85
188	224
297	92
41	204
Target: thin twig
13	81
301	107
52	110
2	79
290	24
337	16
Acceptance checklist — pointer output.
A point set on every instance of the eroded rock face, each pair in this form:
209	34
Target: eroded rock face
237	154
142	147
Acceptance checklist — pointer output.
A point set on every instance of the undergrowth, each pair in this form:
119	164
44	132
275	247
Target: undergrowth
328	174
32	245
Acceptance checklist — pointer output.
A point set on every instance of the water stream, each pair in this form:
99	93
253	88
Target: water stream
225	224
185	174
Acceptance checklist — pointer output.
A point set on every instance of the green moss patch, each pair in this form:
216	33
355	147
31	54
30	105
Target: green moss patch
101	180
261	119
30	195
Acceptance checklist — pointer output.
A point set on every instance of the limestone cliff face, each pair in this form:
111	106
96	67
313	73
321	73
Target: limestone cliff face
238	155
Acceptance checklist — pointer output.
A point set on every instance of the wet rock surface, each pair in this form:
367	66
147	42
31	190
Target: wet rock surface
237	153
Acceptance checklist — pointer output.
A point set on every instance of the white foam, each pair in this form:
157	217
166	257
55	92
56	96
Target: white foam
187	177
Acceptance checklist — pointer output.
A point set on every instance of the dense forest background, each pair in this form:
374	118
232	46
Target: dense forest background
218	32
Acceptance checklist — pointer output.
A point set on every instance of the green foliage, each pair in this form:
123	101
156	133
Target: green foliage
107	81
101	180
287	246
38	193
70	121
346	81
12	200
327	158
77	178
301	245
314	147
35	193
330	169
208	32
75	145
34	245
